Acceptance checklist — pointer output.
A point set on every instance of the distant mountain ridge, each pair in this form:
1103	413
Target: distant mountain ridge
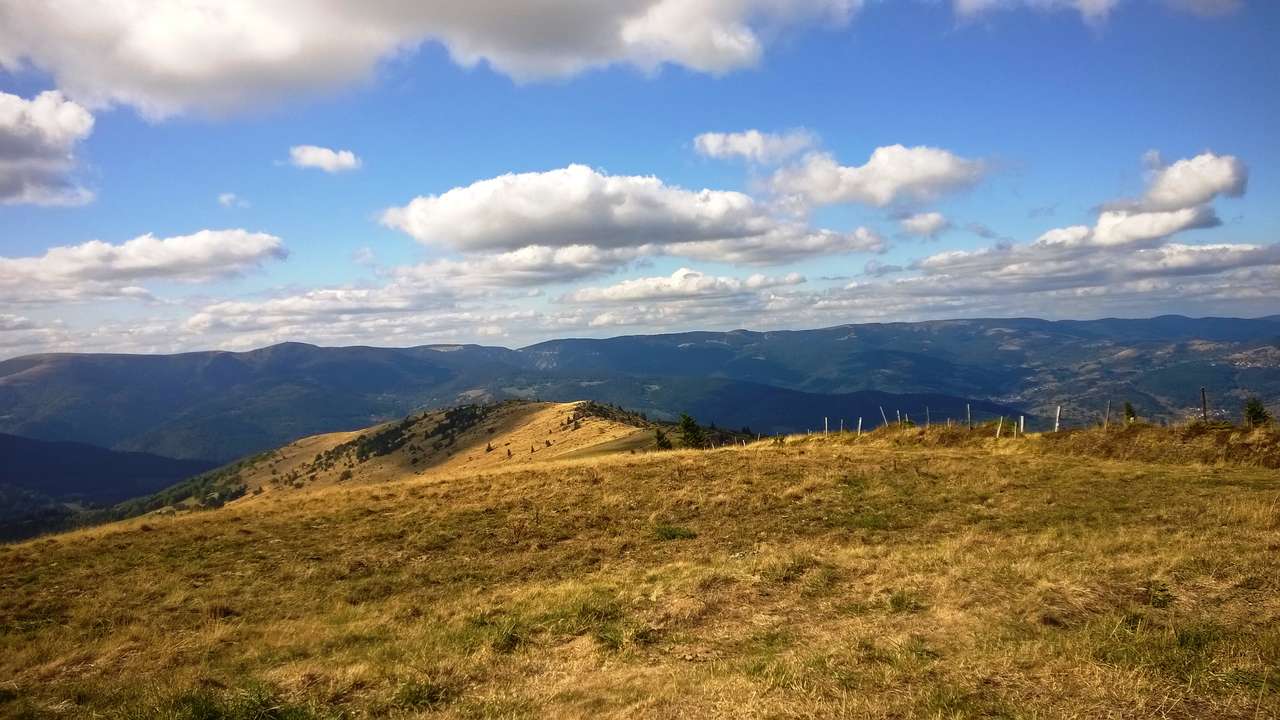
223	405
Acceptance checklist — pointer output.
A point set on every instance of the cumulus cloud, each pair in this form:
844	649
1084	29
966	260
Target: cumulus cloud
1130	241
529	266
533	228
1195	181
323	158
892	174
575	205
754	146
97	269
683	284
38	140
1177	198
786	243
219	55
926	225
578	207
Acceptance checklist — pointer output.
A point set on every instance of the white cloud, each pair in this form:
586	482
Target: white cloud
576	222
12	323
1177	199
928	225
754	145
97	269
786	243
323	158
231	200
528	266
38	139
575	205
1093	11
683	284
1128	242
313	305
164	57
893	173
1195	181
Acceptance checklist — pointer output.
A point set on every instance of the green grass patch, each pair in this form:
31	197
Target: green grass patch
666	532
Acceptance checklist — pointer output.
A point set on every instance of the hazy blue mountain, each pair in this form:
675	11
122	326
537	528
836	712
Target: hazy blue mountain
1158	364
222	405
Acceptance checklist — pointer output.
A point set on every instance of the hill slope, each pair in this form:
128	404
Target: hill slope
460	439
921	573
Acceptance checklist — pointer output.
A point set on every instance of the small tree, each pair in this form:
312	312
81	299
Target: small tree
1130	415
1255	413
691	433
659	437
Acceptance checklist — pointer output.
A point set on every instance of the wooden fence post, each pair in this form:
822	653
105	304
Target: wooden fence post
1057	416
999	427
1204	406
859	426
968	416
883	416
1106	419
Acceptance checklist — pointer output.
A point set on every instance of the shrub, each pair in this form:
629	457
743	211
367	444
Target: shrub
1255	413
659	437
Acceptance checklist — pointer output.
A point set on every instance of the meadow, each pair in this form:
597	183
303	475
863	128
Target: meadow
907	573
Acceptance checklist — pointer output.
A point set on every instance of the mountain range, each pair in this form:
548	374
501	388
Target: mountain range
222	405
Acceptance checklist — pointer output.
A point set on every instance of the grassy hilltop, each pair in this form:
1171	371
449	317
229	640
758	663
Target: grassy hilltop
907	573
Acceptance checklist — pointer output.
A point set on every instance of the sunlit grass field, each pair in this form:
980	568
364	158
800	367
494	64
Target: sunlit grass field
912	574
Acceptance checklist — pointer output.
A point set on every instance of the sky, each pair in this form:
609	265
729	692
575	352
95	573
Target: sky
227	174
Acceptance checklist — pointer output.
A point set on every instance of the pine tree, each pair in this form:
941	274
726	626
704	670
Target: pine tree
1130	414
691	434
659	437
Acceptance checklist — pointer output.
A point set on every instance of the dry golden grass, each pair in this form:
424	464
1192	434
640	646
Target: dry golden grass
511	434
886	577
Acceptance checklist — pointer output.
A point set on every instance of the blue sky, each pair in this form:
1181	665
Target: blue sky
1039	116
